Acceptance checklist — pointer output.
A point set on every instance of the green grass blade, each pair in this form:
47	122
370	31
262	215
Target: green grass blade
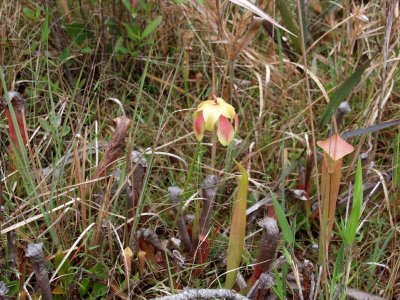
349	233
278	288
338	270
45	29
342	92
290	23
283	223
238	229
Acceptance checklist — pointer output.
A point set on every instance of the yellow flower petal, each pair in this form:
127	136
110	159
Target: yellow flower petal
210	112
205	104
211	115
227	110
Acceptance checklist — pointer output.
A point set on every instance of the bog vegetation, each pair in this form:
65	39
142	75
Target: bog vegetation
118	180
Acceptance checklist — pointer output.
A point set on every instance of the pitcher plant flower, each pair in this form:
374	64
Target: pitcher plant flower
217	112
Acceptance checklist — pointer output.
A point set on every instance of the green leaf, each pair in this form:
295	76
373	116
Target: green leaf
65	131
338	269
45	125
64	55
119	46
29	13
100	271
342	92
45	29
86	50
127	4
133	32
78	32
37	12
57	261
238	229
84	286
278	288
13	286
99	290
350	230
151	27
287	255
283	223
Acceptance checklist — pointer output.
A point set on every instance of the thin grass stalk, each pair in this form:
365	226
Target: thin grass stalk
186	65
309	100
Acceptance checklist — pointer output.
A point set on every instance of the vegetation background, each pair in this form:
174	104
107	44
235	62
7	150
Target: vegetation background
82	64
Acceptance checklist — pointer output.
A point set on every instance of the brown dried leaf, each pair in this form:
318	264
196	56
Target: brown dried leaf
247	38
116	146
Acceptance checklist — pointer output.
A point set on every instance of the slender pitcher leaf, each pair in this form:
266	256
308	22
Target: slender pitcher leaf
342	92
330	182
335	148
238	229
267	249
